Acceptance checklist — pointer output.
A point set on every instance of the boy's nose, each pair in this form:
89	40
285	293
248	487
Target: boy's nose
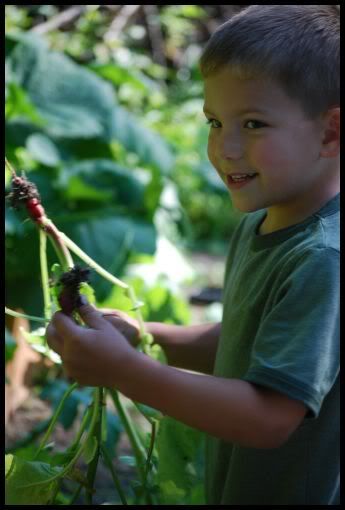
230	148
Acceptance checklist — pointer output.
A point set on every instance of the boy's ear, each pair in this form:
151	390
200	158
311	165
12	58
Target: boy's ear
331	136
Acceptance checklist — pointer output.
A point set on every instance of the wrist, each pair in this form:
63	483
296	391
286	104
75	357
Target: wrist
137	368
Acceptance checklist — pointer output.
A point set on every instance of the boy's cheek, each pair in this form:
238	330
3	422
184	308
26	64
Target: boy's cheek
213	160
273	157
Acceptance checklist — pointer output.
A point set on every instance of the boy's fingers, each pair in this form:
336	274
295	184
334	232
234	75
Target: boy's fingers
53	340
91	316
64	325
113	313
116	322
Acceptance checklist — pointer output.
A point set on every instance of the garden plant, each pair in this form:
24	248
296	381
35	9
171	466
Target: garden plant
38	481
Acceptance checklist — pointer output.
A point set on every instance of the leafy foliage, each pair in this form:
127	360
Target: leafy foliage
179	476
73	104
20	472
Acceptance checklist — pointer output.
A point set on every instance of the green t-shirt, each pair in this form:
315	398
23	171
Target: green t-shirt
280	329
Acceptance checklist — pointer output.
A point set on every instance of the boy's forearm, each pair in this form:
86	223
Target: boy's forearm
231	409
189	347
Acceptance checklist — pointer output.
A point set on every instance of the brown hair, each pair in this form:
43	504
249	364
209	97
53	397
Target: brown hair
295	45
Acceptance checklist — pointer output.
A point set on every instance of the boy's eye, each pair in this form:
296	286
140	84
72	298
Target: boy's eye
249	124
254	124
213	122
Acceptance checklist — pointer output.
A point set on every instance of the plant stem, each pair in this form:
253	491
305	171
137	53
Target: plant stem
79	452
133	298
75	495
10	167
81	428
8	311
116	480
99	269
152	444
55	417
138	448
45	275
60	247
97	433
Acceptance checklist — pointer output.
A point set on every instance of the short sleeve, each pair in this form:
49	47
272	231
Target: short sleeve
296	349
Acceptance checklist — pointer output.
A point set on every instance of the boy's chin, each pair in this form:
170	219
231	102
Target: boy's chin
245	207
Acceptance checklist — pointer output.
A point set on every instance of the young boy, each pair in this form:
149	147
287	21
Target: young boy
269	402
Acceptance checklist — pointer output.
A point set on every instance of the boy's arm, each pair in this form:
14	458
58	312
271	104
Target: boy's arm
231	409
189	347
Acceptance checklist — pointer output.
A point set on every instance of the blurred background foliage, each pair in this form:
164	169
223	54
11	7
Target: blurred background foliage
103	112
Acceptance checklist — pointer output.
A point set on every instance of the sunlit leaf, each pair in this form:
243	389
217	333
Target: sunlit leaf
21	473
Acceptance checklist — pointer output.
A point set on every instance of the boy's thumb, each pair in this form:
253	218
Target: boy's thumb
90	315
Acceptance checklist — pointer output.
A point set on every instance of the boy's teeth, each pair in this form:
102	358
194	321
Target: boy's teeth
241	177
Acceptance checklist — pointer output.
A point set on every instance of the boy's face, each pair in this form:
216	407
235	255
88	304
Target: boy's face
257	129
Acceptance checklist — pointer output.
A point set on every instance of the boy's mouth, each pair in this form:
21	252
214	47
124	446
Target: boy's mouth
236	181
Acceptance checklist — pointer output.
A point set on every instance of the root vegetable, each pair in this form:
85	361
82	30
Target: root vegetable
69	297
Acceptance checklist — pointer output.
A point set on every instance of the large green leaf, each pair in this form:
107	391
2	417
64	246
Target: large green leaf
74	101
19	105
149	146
109	239
21	472
119	75
78	104
177	447
103	180
43	149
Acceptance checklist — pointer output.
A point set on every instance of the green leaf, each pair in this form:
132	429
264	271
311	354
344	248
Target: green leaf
177	446
74	102
137	138
88	291
19	104
170	494
107	240
43	149
9	464
119	75
21	472
59	458
90	449
104	180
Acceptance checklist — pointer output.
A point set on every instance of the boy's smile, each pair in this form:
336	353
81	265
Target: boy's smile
267	150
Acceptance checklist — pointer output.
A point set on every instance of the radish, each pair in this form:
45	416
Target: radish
69	297
24	191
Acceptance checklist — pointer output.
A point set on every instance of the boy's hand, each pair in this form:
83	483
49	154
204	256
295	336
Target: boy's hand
94	356
128	326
